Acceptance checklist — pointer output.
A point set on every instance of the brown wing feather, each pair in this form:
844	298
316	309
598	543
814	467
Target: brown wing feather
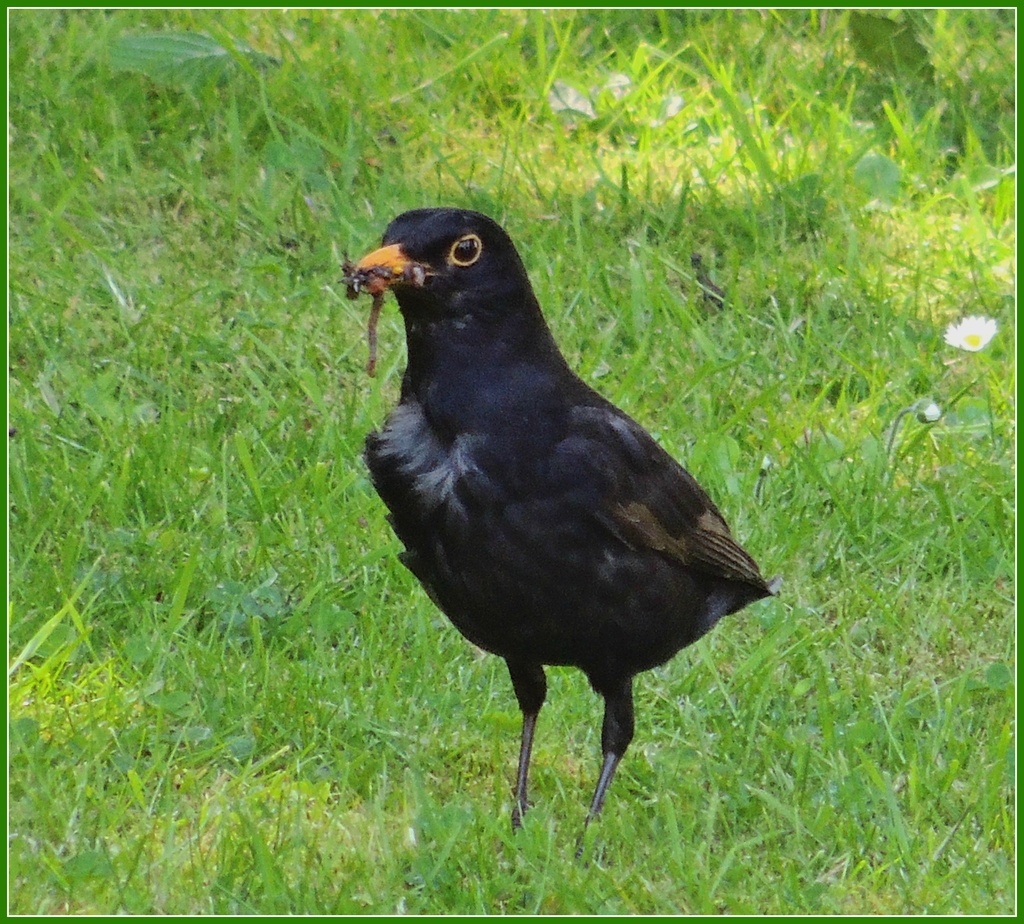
708	546
660	505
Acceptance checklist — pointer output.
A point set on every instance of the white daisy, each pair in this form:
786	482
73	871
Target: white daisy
971	333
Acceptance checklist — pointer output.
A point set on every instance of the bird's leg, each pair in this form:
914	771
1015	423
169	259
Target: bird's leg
525	748
531	687
616	734
611	762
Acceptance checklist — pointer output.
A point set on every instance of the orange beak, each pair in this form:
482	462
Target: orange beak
384	267
391	258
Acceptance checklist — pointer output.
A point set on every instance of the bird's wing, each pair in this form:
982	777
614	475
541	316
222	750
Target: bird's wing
653	502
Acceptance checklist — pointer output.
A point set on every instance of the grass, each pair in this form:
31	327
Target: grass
225	695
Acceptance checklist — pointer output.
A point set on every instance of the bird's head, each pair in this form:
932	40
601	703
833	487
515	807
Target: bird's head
472	323
446	263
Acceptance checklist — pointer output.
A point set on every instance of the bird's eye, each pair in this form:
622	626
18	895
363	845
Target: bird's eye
466	250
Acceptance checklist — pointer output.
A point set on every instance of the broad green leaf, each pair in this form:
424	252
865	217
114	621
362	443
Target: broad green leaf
889	45
998	676
182	59
879	176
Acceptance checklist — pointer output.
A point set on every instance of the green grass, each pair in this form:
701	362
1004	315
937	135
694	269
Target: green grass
225	693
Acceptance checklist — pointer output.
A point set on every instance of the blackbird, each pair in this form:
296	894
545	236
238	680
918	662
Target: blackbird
545	523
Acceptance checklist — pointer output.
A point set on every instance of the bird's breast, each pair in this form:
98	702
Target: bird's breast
410	453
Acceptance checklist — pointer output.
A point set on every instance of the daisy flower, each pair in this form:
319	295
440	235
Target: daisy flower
971	333
927	411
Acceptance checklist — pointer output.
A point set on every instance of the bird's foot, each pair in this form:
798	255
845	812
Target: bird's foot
518	811
581	840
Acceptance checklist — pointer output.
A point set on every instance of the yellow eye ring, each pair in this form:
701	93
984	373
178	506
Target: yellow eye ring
466	250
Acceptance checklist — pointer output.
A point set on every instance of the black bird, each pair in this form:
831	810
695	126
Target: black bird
546	523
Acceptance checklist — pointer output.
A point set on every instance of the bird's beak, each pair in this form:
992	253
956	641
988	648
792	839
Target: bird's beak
389	265
391	258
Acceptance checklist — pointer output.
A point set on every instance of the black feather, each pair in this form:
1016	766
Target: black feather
546	523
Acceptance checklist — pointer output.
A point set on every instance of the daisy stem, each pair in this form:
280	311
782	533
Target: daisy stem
895	428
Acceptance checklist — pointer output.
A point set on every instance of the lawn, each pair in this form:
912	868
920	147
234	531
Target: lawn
225	693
